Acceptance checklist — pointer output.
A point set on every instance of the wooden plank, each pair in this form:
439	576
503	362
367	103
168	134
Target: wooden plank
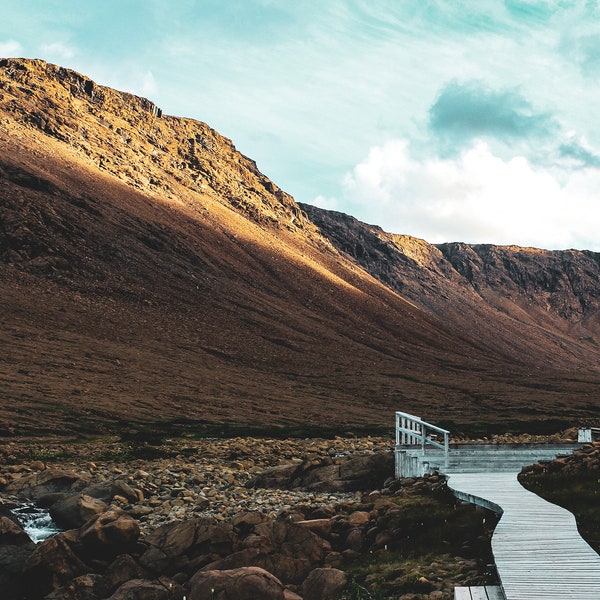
478	593
494	592
488	592
538	551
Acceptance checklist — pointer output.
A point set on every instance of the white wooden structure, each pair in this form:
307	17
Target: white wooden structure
413	438
586	435
538	551
480	592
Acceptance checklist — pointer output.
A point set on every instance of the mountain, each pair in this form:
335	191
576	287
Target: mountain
540	306
150	274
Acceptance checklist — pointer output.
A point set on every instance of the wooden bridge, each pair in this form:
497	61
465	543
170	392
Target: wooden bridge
538	551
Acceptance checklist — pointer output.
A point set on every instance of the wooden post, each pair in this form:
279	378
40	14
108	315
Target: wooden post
446	448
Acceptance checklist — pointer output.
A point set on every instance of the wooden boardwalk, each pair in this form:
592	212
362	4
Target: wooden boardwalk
486	592
538	551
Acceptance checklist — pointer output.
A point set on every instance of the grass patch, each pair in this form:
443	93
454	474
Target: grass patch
154	432
475	430
435	542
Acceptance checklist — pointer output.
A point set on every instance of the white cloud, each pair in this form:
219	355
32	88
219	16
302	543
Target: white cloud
58	51
476	197
148	85
10	48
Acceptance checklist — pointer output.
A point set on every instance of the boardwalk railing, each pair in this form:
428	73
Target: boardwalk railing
588	434
412	433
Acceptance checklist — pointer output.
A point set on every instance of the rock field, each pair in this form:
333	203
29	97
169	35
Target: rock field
226	518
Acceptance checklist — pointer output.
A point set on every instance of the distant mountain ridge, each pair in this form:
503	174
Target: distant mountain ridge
525	290
150	274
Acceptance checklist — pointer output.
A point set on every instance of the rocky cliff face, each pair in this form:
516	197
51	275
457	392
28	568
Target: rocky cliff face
151	273
537	299
129	137
564	284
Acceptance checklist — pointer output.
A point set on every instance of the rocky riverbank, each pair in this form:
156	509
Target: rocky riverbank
205	478
278	518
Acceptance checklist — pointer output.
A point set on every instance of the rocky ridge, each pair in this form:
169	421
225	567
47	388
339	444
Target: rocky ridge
529	300
130	138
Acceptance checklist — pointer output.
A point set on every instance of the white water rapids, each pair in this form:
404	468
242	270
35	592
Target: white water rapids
36	522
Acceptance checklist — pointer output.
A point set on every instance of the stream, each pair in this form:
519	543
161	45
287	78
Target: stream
36	521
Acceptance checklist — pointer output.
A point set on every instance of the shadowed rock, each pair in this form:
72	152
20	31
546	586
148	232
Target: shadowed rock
342	474
75	510
246	583
50	481
324	584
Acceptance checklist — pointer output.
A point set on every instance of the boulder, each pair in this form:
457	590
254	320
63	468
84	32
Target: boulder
51	565
245	521
80	588
354	539
343	474
11	532
46	482
143	589
294	540
358	518
278	477
124	568
366	472
324	584
286	549
48	500
322	527
183	545
75	510
12	561
288	569
109	533
246	583
107	490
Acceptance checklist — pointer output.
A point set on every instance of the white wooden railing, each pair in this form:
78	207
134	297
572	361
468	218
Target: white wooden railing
587	435
414	433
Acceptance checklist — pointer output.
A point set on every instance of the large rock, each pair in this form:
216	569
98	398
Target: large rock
342	474
246	583
278	477
187	545
11	532
53	564
124	568
110	533
293	539
324	584
107	490
144	589
75	510
288	569
80	588
47	482
12	561
366	472
287	550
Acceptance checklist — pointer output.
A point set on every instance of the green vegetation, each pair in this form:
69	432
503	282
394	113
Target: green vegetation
203	429
481	429
435	541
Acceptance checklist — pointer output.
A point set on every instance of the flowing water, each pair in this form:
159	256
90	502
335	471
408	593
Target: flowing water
36	521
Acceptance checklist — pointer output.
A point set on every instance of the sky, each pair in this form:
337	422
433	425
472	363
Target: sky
473	121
